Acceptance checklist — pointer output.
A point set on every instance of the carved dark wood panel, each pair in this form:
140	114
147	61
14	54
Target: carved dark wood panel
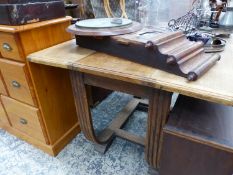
171	51
16	12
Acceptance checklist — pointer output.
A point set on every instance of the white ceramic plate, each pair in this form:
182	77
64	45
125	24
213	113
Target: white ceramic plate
100	23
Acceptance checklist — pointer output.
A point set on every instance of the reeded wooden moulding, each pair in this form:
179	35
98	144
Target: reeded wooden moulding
189	57
171	51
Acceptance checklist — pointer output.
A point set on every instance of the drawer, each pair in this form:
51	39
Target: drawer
3	116
17	80
23	117
2	86
10	46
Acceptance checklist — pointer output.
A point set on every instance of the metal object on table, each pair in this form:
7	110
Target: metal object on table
217	8
222	16
227	20
215	45
186	23
189	22
212	42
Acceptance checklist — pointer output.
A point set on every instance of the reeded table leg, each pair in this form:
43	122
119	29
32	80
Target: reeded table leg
82	106
159	107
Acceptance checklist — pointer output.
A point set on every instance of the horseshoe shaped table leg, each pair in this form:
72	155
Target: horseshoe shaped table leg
84	114
104	139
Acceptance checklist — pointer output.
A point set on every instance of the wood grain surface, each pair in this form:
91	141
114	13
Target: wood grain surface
15	52
30	115
55	56
15	72
16	29
3	116
3	89
56	100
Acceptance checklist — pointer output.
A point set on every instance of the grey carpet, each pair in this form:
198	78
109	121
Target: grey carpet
79	157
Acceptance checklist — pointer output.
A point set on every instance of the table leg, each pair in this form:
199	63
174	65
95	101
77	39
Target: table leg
159	107
104	139
82	106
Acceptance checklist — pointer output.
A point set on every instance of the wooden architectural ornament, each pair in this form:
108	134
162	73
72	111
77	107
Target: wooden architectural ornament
189	57
170	51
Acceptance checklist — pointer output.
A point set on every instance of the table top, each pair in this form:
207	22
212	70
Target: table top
215	86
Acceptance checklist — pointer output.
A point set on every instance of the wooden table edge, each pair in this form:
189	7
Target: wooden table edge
162	85
149	82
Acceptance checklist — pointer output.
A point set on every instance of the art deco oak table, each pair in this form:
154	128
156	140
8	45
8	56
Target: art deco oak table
97	69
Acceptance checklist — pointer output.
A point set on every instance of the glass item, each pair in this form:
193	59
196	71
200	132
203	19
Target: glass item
162	11
148	12
206	10
115	8
188	22
103	23
172	9
143	12
227	20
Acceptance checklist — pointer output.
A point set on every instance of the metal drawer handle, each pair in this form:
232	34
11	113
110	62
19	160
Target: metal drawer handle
16	84
23	121
7	47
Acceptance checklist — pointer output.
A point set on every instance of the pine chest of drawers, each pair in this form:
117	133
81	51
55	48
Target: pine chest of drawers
36	101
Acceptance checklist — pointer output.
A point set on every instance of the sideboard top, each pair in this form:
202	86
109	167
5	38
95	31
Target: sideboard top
16	29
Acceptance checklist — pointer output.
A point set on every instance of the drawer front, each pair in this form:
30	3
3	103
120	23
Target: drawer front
17	80
2	86
10	46
23	117
3	116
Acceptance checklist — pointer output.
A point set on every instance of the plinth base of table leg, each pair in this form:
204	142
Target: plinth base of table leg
153	171
104	147
143	106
